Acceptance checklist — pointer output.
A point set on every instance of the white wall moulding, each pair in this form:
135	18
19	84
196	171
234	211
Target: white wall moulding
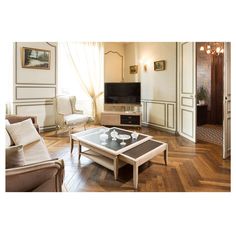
113	66
35	76
156	114
187	127
31	93
171	116
160	114
33	89
113	62
186	101
44	111
143	110
187	68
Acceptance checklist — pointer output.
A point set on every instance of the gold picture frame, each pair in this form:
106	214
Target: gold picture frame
34	58
133	69
159	65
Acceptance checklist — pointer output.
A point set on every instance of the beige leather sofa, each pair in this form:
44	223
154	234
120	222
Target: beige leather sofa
40	173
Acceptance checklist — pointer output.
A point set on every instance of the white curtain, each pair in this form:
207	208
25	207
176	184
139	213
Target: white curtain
81	73
7	52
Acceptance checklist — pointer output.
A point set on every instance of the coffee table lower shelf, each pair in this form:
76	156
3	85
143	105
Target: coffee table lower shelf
102	160
135	156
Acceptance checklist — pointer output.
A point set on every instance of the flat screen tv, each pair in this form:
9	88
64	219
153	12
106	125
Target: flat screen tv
122	93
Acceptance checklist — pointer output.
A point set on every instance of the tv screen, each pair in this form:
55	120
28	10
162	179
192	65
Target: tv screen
122	93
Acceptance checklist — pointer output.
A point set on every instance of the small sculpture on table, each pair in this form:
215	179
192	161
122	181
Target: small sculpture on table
114	134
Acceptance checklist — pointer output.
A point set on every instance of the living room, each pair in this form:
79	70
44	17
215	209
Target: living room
111	125
120	71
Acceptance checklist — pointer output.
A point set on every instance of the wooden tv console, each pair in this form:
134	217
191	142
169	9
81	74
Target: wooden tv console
121	118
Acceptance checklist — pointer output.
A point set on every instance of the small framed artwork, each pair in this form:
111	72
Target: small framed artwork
133	69
34	58
159	65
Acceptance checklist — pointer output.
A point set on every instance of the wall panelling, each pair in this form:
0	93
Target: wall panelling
34	89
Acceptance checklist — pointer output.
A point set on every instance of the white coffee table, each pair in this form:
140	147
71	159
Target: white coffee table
113	155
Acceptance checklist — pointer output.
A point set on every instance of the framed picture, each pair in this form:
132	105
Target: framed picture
133	69
159	65
34	58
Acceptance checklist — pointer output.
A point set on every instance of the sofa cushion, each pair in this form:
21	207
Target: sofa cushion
8	140
23	132
75	119
36	152
15	156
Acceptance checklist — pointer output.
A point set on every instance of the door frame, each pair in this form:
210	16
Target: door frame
227	101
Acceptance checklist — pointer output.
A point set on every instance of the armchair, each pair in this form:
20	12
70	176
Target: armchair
40	173
67	116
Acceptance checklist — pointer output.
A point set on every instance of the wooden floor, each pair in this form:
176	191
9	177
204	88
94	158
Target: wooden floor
191	167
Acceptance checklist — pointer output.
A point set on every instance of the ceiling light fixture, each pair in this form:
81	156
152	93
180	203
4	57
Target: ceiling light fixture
213	48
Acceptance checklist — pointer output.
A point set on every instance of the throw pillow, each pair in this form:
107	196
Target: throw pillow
8	140
15	156
23	132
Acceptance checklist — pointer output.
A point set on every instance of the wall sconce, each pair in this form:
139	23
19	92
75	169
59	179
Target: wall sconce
144	64
145	67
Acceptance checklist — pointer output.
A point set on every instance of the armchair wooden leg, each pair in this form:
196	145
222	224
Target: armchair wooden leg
56	132
70	132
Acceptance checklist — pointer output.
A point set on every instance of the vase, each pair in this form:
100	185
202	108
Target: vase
202	102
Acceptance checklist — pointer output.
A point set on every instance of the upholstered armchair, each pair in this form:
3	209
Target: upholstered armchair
39	172
67	116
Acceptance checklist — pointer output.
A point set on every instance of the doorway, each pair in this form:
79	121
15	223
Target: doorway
210	88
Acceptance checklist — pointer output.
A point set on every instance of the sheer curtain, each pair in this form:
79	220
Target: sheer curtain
81	73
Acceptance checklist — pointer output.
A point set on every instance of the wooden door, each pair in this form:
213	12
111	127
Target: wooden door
187	90
227	102
217	86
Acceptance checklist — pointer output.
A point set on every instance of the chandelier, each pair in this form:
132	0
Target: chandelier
213	48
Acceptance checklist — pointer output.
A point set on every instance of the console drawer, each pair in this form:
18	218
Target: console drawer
128	119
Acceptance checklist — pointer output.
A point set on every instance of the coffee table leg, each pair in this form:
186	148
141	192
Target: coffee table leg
79	150
135	175
116	168
71	145
166	155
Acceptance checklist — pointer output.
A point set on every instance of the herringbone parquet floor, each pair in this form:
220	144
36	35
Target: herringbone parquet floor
191	167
